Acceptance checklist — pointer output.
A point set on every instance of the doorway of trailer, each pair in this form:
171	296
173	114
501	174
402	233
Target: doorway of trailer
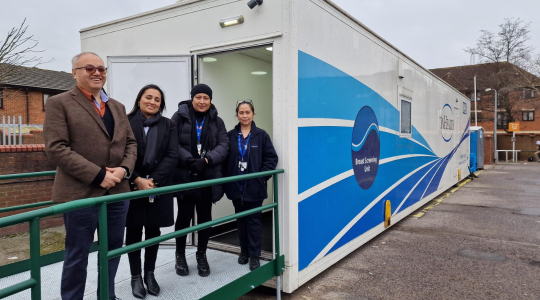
239	75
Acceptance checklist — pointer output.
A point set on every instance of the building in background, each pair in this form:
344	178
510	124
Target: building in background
25	91
518	101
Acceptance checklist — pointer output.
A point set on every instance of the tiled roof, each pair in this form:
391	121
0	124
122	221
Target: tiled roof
462	77
38	78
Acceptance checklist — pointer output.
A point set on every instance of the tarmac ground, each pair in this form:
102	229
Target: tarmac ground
478	241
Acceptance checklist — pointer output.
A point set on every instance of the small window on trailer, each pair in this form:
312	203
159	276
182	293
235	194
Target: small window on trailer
406	114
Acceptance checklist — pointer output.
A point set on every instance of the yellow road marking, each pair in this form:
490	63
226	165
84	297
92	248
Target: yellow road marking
440	199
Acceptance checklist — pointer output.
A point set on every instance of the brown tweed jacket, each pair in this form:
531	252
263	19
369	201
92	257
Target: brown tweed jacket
77	142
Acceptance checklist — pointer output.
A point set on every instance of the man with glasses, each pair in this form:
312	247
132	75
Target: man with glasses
89	139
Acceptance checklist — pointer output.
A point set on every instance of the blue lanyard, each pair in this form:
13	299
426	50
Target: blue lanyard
199	129
243	151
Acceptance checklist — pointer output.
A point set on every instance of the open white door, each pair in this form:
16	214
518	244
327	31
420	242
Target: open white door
128	74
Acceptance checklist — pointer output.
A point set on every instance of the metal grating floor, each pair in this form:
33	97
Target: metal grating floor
224	268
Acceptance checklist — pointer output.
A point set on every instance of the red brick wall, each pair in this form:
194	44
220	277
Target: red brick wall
35	137
485	119
14	105
25	159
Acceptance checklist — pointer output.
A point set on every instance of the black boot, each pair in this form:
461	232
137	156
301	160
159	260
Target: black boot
202	264
254	263
181	264
137	287
151	283
243	258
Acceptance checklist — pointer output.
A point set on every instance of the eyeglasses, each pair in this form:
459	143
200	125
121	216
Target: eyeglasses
91	69
244	101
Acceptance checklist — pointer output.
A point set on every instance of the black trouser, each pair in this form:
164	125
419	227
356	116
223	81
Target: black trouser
134	235
249	227
186	207
80	227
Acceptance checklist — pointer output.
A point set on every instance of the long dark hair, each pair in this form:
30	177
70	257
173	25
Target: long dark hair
141	93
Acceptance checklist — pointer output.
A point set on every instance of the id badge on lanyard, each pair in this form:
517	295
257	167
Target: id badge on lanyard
242	165
199	132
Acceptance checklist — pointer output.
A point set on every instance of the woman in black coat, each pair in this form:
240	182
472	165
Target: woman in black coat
251	151
203	147
157	155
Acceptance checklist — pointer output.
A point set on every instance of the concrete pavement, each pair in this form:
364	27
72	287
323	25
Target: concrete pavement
480	242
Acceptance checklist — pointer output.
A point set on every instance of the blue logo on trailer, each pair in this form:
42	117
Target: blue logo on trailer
366	147
464	108
447	123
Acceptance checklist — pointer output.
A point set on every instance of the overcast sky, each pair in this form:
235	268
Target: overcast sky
433	33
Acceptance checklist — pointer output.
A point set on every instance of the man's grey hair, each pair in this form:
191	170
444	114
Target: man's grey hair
75	58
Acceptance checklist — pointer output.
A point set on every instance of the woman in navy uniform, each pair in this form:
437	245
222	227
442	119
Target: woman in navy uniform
157	154
251	151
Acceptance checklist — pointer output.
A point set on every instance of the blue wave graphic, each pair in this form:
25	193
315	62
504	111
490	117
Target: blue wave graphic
371	128
324	152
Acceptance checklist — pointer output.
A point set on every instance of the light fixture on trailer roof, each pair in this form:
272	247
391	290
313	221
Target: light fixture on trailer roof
232	21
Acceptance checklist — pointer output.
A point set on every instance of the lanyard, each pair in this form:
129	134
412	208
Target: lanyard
243	151
199	129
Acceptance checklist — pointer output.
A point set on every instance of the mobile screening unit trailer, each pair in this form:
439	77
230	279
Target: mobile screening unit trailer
365	134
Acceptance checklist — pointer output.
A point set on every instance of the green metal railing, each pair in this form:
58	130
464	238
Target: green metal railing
233	290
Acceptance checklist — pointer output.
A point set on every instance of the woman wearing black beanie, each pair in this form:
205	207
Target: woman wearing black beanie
204	145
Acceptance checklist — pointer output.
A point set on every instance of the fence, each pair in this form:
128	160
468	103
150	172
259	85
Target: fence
232	290
11	131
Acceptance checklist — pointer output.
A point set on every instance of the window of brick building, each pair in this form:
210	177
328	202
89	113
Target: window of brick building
527	116
528	93
1	98
502	120
478	98
45	97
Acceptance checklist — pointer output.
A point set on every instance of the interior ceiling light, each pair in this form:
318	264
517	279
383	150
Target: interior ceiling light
253	3
269	48
232	21
259	73
209	59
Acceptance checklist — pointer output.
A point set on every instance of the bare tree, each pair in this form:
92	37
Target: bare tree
509	44
512	62
18	49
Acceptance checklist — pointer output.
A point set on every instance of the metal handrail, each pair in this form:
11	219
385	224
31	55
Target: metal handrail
25	206
103	253
27	175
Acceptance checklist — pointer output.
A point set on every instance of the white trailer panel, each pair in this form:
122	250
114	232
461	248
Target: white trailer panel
356	123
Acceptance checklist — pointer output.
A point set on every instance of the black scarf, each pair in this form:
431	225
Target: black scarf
149	140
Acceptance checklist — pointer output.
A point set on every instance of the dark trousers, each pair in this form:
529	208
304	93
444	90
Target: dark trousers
134	235
249	227
186	207
80	227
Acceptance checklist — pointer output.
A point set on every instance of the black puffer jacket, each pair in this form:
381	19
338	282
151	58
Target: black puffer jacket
217	155
261	157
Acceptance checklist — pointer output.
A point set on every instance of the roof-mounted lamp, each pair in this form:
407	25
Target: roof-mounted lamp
231	21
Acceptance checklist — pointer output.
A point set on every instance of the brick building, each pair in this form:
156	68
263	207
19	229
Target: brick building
25	91
518	101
